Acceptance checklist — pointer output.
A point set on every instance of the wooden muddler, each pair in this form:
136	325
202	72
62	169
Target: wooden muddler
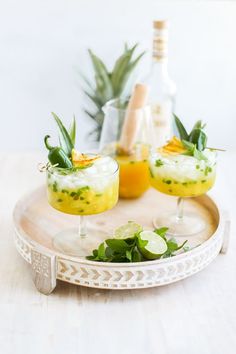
137	101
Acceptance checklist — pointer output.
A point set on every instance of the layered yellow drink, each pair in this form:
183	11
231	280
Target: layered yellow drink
134	172
181	175
84	191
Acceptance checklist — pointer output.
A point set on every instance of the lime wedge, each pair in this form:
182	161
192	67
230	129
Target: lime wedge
127	231
151	245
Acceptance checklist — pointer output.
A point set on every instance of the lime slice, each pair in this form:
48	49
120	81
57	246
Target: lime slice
151	245
127	231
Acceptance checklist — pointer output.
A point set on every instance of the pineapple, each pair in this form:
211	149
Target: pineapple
108	85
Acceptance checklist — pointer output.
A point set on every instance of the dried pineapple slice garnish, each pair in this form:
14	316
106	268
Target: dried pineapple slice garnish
173	147
82	160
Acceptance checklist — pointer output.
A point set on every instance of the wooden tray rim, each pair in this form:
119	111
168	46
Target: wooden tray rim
35	245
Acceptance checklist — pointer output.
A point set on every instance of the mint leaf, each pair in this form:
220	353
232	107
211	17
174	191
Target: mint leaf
109	252
198	154
117	245
95	253
199	138
172	245
92	258
137	256
193	151
189	146
101	251
119	258
159	163
161	232
128	254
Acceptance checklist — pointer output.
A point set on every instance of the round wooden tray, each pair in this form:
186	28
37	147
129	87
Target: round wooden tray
36	223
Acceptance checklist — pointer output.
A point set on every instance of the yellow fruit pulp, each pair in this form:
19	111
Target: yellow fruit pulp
183	189
83	201
134	174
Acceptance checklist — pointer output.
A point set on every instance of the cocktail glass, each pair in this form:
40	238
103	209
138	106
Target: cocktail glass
87	191
134	171
182	176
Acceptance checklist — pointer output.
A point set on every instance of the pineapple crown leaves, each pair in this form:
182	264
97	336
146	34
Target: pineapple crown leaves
102	77
108	85
123	68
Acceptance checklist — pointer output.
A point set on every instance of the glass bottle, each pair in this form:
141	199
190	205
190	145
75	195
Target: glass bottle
162	88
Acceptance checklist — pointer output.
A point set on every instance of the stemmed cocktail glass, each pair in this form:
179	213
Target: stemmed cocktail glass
83	191
182	176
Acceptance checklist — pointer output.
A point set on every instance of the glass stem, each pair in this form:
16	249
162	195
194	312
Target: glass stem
82	227
180	209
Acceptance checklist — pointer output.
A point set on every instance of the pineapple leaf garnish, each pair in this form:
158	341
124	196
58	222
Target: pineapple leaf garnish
65	139
108	85
72	131
181	129
103	82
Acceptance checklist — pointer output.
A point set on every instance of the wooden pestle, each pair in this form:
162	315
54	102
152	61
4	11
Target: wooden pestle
138	100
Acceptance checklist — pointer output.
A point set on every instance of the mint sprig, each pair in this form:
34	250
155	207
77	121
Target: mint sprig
196	141
172	245
127	250
193	151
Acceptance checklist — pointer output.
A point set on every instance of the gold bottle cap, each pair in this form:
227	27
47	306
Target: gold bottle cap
160	24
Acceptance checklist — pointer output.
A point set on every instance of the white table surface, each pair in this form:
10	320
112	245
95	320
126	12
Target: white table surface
193	316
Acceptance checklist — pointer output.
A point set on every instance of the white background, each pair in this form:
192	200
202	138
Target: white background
43	46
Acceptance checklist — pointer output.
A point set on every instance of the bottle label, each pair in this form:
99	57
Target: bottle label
162	122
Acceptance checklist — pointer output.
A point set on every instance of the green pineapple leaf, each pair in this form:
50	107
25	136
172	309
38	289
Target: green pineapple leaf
72	131
101	76
64	137
181	129
108	85
131	66
94	98
117	73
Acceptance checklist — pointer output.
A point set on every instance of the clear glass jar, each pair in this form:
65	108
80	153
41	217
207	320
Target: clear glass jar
133	159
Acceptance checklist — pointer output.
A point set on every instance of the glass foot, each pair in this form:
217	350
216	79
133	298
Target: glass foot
189	225
69	242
